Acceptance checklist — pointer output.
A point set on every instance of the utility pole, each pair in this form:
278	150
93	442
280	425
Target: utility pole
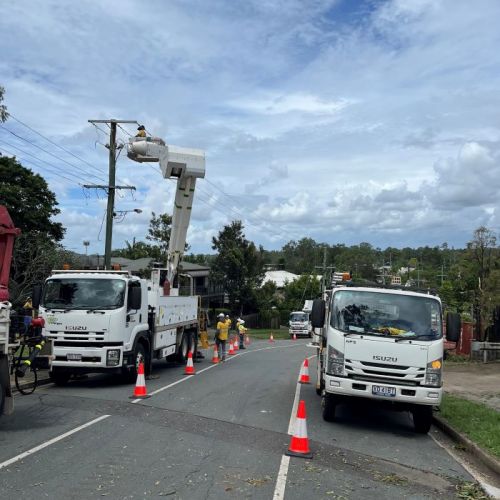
442	275
111	187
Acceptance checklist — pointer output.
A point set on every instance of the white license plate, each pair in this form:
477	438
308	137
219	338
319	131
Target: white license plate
382	390
73	357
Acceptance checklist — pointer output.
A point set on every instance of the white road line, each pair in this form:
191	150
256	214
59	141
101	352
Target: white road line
279	489
188	377
491	490
51	441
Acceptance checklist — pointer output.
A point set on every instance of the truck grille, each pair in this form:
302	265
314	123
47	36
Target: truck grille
379	372
77	336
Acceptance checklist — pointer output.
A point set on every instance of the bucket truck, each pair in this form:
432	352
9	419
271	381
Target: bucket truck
106	321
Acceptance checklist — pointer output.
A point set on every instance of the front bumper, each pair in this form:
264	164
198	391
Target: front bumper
92	357
363	389
298	332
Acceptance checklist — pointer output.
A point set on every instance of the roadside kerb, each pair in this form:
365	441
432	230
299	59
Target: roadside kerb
491	462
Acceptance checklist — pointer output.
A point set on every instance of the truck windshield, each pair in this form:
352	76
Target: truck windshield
386	314
298	317
83	293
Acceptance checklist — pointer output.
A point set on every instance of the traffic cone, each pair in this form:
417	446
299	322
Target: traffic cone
231	349
236	346
189	366
304	372
247	340
299	445
271	338
215	358
294	336
140	385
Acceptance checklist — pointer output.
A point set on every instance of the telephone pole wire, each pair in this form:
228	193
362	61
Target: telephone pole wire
111	187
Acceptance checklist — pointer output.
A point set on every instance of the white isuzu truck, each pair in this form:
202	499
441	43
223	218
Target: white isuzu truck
382	344
299	324
107	320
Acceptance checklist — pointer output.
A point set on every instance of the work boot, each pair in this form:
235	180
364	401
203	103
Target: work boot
242	347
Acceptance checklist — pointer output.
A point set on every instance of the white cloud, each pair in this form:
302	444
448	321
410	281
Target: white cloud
346	121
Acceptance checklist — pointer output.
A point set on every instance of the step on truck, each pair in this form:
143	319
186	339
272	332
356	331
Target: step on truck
381	344
107	321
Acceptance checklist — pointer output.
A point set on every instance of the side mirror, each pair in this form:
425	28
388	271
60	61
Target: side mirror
318	313
36	296
453	327
134	297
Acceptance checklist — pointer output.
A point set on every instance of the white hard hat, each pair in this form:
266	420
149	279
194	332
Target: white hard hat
221	315
242	321
239	320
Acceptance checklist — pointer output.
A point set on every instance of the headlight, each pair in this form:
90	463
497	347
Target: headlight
335	362
433	373
113	357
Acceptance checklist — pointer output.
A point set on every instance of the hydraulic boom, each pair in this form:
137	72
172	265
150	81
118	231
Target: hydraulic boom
183	164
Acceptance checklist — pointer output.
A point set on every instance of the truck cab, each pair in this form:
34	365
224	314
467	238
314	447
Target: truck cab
97	320
381	344
299	324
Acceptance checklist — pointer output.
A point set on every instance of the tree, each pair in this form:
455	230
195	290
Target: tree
160	227
31	206
29	200
3	108
238	267
297	291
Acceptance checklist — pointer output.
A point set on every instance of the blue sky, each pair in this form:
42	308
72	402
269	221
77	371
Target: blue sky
344	121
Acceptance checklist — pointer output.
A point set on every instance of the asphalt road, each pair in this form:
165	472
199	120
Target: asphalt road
219	434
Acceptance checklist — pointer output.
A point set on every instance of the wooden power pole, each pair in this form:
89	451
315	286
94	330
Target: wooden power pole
111	187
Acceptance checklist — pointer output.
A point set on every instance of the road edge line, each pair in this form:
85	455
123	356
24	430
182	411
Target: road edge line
31	451
490	490
279	489
473	448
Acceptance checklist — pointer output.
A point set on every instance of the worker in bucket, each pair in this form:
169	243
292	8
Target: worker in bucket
141	131
241	331
221	336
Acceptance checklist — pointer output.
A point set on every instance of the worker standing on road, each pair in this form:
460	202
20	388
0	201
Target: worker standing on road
242	330
221	336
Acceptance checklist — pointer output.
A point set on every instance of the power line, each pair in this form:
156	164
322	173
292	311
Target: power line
55	144
37	158
37	166
49	153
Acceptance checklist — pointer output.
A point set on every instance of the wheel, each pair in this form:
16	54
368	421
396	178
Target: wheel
328	406
422	418
184	348
60	378
30	382
139	354
2	398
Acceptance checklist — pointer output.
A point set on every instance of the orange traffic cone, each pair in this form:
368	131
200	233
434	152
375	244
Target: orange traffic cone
294	336
304	372
189	366
299	445
231	349
247	340
140	385
236	346
271	338
215	359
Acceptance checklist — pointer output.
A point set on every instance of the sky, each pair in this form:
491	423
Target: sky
344	121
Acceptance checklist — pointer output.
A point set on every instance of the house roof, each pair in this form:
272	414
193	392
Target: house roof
279	277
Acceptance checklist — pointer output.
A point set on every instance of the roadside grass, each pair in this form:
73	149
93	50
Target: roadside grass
264	333
452	358
480	423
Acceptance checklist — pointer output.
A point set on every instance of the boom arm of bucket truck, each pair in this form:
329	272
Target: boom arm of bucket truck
183	164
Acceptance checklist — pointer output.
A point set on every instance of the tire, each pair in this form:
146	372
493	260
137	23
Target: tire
422	418
29	387
184	347
139	353
60	378
328	407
